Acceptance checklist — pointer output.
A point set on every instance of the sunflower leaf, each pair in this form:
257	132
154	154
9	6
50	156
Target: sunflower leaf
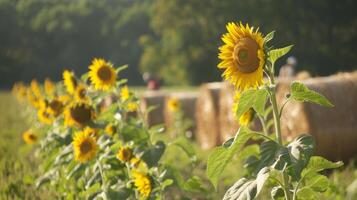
275	54
269	37
299	92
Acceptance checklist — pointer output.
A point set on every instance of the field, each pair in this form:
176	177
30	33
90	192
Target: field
19	165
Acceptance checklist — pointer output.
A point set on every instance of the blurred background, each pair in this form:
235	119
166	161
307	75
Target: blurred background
176	40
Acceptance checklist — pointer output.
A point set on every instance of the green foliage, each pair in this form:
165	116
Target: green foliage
251	98
221	156
275	54
299	92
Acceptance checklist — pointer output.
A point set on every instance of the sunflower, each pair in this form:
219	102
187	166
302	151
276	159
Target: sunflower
78	113
242	56
85	146
69	81
92	132
49	87
124	93
110	129
55	107
247	117
35	88
142	183
44	116
132	106
124	154
20	91
29	137
32	99
102	74
80	93
173	104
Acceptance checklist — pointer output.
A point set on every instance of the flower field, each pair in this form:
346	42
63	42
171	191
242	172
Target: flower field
218	118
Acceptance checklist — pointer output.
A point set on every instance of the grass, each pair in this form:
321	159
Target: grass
19	166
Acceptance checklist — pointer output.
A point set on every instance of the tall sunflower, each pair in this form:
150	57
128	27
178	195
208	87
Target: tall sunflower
142	183
173	104
85	146
69	81
35	88
79	114
102	74
242	56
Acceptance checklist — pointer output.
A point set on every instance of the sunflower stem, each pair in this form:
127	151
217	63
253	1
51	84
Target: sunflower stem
278	132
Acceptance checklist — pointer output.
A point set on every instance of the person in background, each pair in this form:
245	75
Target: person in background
289	69
152	83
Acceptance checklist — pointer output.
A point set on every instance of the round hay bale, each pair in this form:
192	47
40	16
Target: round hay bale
334	129
156	99
207	115
187	103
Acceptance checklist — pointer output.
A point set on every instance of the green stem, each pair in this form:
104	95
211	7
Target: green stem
278	132
262	121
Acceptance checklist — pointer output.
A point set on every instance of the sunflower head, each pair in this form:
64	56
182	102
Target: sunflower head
35	88
125	154
49	87
55	107
142	183
85	146
110	129
242	56
20	91
44	116
79	114
29	137
69	81
132	106
124	93
91	131
80	93
102	74
173	104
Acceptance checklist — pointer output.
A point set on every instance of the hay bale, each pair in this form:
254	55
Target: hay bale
187	102
157	99
334	129
207	112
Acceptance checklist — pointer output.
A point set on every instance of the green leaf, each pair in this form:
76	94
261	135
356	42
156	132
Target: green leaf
167	183
277	193
252	99
261	97
245	189
317	182
275	54
317	164
121	68
221	156
274	154
269	37
154	153
306	194
194	184
301	149
299	92
95	188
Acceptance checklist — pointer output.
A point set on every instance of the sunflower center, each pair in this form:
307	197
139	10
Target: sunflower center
245	54
104	73
81	114
56	106
85	147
